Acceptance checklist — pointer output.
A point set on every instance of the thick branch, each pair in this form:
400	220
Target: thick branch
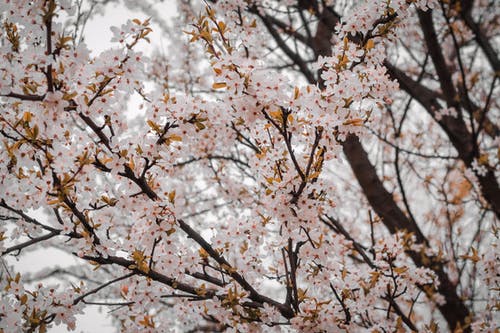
287	50
456	131
394	219
483	41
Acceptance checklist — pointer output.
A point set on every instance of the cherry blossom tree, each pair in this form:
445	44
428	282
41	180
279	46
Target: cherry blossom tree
296	166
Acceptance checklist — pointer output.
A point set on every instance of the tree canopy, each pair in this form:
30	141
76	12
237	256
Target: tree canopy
292	166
